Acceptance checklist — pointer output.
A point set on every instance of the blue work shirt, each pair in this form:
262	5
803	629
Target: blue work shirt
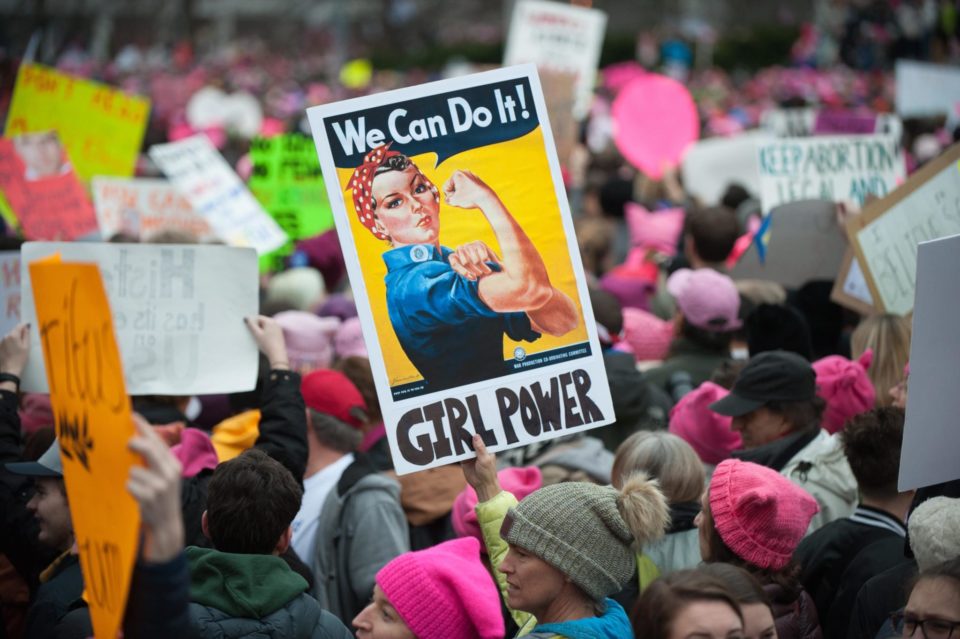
446	330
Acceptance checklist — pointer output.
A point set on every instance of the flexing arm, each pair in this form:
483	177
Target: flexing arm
523	284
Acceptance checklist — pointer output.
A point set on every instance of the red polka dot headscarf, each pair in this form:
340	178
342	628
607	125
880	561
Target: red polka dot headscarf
361	183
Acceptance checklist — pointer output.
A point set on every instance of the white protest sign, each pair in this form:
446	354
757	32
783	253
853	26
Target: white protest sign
198	171
835	168
796	122
144	207
713	164
801	122
925	89
9	290
177	313
465	161
931	437
561	38
885	235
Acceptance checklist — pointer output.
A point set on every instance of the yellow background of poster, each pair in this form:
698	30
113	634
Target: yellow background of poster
518	171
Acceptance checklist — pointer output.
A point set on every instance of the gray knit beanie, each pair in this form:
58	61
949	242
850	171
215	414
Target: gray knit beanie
933	531
588	532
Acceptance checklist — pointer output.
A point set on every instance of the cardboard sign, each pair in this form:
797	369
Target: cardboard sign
41	189
177	310
559	38
287	181
9	290
143	208
850	289
656	122
201	175
930	434
886	234
101	126
92	414
711	165
457	353
806	243
834	168
925	89
559	93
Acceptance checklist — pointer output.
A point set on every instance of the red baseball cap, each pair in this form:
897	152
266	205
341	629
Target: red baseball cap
332	393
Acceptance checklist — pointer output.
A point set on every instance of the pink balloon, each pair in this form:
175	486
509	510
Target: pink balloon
656	120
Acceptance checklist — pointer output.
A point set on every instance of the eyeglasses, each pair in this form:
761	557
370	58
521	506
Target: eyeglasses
907	624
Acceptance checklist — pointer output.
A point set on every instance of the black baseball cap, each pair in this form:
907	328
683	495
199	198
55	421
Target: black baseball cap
49	464
772	376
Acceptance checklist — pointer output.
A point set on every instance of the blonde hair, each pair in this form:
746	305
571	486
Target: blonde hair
889	338
665	457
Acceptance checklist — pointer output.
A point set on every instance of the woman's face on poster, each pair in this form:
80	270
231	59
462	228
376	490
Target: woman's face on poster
41	153
406	208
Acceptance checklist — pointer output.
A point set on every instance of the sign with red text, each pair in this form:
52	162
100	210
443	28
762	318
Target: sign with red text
92	414
101	126
142	208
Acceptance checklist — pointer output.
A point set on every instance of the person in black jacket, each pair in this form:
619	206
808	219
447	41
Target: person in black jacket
838	559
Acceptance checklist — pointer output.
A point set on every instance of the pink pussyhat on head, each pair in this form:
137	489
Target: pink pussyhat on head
846	388
707	432
659	230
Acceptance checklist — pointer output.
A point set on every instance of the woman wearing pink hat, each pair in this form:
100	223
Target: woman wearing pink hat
438	593
754	517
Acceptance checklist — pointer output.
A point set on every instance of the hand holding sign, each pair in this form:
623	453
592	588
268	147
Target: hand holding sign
14	350
481	471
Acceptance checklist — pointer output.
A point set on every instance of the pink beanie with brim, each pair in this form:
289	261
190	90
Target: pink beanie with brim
444	591
708	432
760	514
845	387
519	481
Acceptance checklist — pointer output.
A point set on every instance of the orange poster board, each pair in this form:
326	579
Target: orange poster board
92	413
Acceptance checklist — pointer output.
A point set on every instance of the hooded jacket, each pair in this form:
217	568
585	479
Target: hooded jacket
612	624
233	596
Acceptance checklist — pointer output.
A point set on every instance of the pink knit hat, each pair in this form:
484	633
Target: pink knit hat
349	340
309	338
521	481
708	432
444	591
707	299
760	514
647	335
195	452
659	231
846	388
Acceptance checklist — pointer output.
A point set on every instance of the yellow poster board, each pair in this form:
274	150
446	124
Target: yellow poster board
92	413
102	127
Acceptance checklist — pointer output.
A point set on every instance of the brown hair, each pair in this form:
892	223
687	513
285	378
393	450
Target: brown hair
872	441
742	585
889	338
357	370
251	501
664	457
655	611
713	232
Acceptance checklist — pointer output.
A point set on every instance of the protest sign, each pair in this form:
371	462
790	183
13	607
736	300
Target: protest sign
850	288
656	122
806	243
214	190
925	89
711	165
102	127
9	290
287	181
802	122
885	235
505	347
142	208
560	38
930	434
92	415
834	168
40	187
559	94
177	313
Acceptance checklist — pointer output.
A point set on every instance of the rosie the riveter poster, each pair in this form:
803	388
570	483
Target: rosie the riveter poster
459	245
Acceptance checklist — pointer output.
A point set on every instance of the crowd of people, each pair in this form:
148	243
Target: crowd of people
747	489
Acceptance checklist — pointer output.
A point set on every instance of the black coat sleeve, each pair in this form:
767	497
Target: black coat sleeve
283	422
159	603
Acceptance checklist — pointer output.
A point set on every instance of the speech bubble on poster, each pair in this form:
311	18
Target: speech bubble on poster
452	355
101	127
42	190
143	207
92	414
833	168
886	234
214	190
177	310
656	122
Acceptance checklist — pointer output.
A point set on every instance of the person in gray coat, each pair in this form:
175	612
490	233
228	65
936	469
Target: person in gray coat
351	523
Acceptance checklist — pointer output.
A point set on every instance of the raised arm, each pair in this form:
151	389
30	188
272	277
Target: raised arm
522	284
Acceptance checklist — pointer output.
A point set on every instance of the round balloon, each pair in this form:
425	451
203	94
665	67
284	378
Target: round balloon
656	120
